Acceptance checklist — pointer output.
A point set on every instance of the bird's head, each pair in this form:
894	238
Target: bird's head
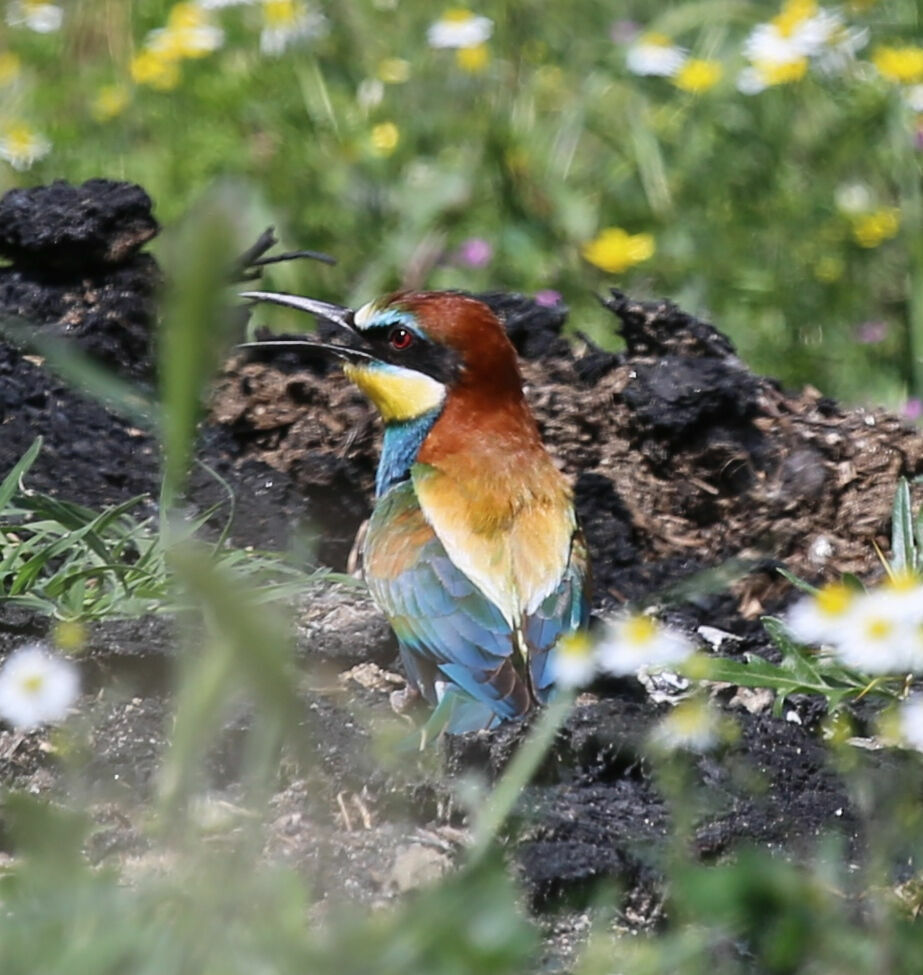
409	351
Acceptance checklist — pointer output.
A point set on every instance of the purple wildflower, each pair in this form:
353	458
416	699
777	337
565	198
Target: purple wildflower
913	408
868	333
475	252
547	297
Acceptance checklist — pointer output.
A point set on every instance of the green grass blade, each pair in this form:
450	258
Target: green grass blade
10	484
797	582
903	542
194	325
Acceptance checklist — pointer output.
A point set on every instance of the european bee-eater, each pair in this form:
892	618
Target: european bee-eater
473	550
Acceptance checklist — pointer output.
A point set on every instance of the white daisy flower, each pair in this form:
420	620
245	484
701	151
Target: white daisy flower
793	35
881	637
822	617
460	29
903	594
655	54
691	726
43	18
911	721
574	661
21	145
286	22
638	641
36	687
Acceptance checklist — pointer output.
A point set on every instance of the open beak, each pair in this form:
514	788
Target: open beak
353	352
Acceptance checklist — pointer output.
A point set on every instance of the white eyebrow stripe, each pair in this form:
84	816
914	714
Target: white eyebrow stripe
371	316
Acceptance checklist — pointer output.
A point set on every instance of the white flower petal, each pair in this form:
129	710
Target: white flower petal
633	643
43	18
653	58
751	82
36	687
911	721
455	33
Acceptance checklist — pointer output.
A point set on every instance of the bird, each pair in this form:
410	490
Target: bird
473	551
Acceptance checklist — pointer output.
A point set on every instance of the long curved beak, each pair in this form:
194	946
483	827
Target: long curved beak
322	309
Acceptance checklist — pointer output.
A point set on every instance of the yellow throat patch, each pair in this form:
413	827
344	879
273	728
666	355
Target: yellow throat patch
399	394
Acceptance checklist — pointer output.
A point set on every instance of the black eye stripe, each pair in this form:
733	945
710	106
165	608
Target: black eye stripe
420	354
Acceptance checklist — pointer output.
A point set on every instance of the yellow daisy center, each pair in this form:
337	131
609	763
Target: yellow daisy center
577	645
794	13
697	75
834	599
878	629
280	13
640	629
904	581
458	15
33	684
473	59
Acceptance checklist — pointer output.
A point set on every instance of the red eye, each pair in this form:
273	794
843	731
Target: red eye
400	338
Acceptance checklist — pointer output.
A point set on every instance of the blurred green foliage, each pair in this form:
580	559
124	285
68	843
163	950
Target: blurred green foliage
362	140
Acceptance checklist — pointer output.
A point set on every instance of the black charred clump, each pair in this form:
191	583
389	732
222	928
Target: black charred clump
76	270
77	273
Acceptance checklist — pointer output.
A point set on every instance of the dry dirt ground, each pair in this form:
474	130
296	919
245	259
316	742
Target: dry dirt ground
681	459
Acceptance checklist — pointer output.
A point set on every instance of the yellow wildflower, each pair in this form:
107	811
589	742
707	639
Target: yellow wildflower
154	70
872	229
394	71
698	75
615	250
189	34
110	101
10	67
385	137
472	59
793	15
901	64
186	16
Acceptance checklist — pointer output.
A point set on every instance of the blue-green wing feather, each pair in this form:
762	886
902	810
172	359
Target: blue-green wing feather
563	611
448	630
